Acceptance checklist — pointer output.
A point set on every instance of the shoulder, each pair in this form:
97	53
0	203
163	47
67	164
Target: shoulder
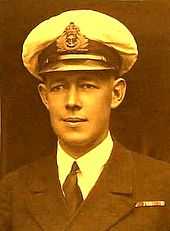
22	174
143	164
151	177
151	166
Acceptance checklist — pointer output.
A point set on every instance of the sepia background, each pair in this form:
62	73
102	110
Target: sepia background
141	123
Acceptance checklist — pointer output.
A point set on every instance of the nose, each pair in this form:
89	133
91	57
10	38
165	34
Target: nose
73	99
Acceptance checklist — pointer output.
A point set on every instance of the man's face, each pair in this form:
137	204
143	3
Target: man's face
79	105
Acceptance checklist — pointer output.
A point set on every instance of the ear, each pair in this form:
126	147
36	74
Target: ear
118	92
42	89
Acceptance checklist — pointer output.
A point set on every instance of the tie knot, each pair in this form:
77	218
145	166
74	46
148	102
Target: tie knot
75	168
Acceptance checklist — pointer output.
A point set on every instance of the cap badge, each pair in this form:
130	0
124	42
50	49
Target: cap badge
71	40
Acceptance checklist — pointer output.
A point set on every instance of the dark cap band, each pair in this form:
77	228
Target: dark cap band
97	56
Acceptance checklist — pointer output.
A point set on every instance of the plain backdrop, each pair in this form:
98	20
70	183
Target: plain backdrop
141	123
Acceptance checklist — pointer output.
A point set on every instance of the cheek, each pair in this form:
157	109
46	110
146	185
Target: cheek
55	101
101	107
55	107
105	100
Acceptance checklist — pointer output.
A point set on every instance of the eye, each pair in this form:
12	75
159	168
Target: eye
57	87
88	86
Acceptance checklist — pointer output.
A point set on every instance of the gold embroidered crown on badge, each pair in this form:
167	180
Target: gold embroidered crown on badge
71	40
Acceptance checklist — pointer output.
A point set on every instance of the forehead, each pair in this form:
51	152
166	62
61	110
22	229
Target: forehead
74	76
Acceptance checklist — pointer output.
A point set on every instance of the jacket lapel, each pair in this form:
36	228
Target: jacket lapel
112	197
45	200
109	201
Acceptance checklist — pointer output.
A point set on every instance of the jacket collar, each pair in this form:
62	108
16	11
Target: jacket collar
112	197
44	198
110	200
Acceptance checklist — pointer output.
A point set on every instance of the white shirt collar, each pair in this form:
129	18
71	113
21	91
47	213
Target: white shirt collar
89	164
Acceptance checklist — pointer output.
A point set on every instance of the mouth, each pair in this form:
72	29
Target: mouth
74	121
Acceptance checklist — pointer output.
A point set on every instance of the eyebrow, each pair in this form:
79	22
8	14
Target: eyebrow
82	77
56	80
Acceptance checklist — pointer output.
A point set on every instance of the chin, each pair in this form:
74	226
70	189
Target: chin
76	139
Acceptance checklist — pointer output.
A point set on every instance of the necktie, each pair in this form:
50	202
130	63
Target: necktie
71	189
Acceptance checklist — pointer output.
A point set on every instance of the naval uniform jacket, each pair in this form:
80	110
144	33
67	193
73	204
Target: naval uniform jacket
31	198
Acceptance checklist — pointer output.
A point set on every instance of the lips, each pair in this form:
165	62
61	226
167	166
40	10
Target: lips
74	119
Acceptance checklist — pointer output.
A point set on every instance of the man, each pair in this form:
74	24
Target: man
93	183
